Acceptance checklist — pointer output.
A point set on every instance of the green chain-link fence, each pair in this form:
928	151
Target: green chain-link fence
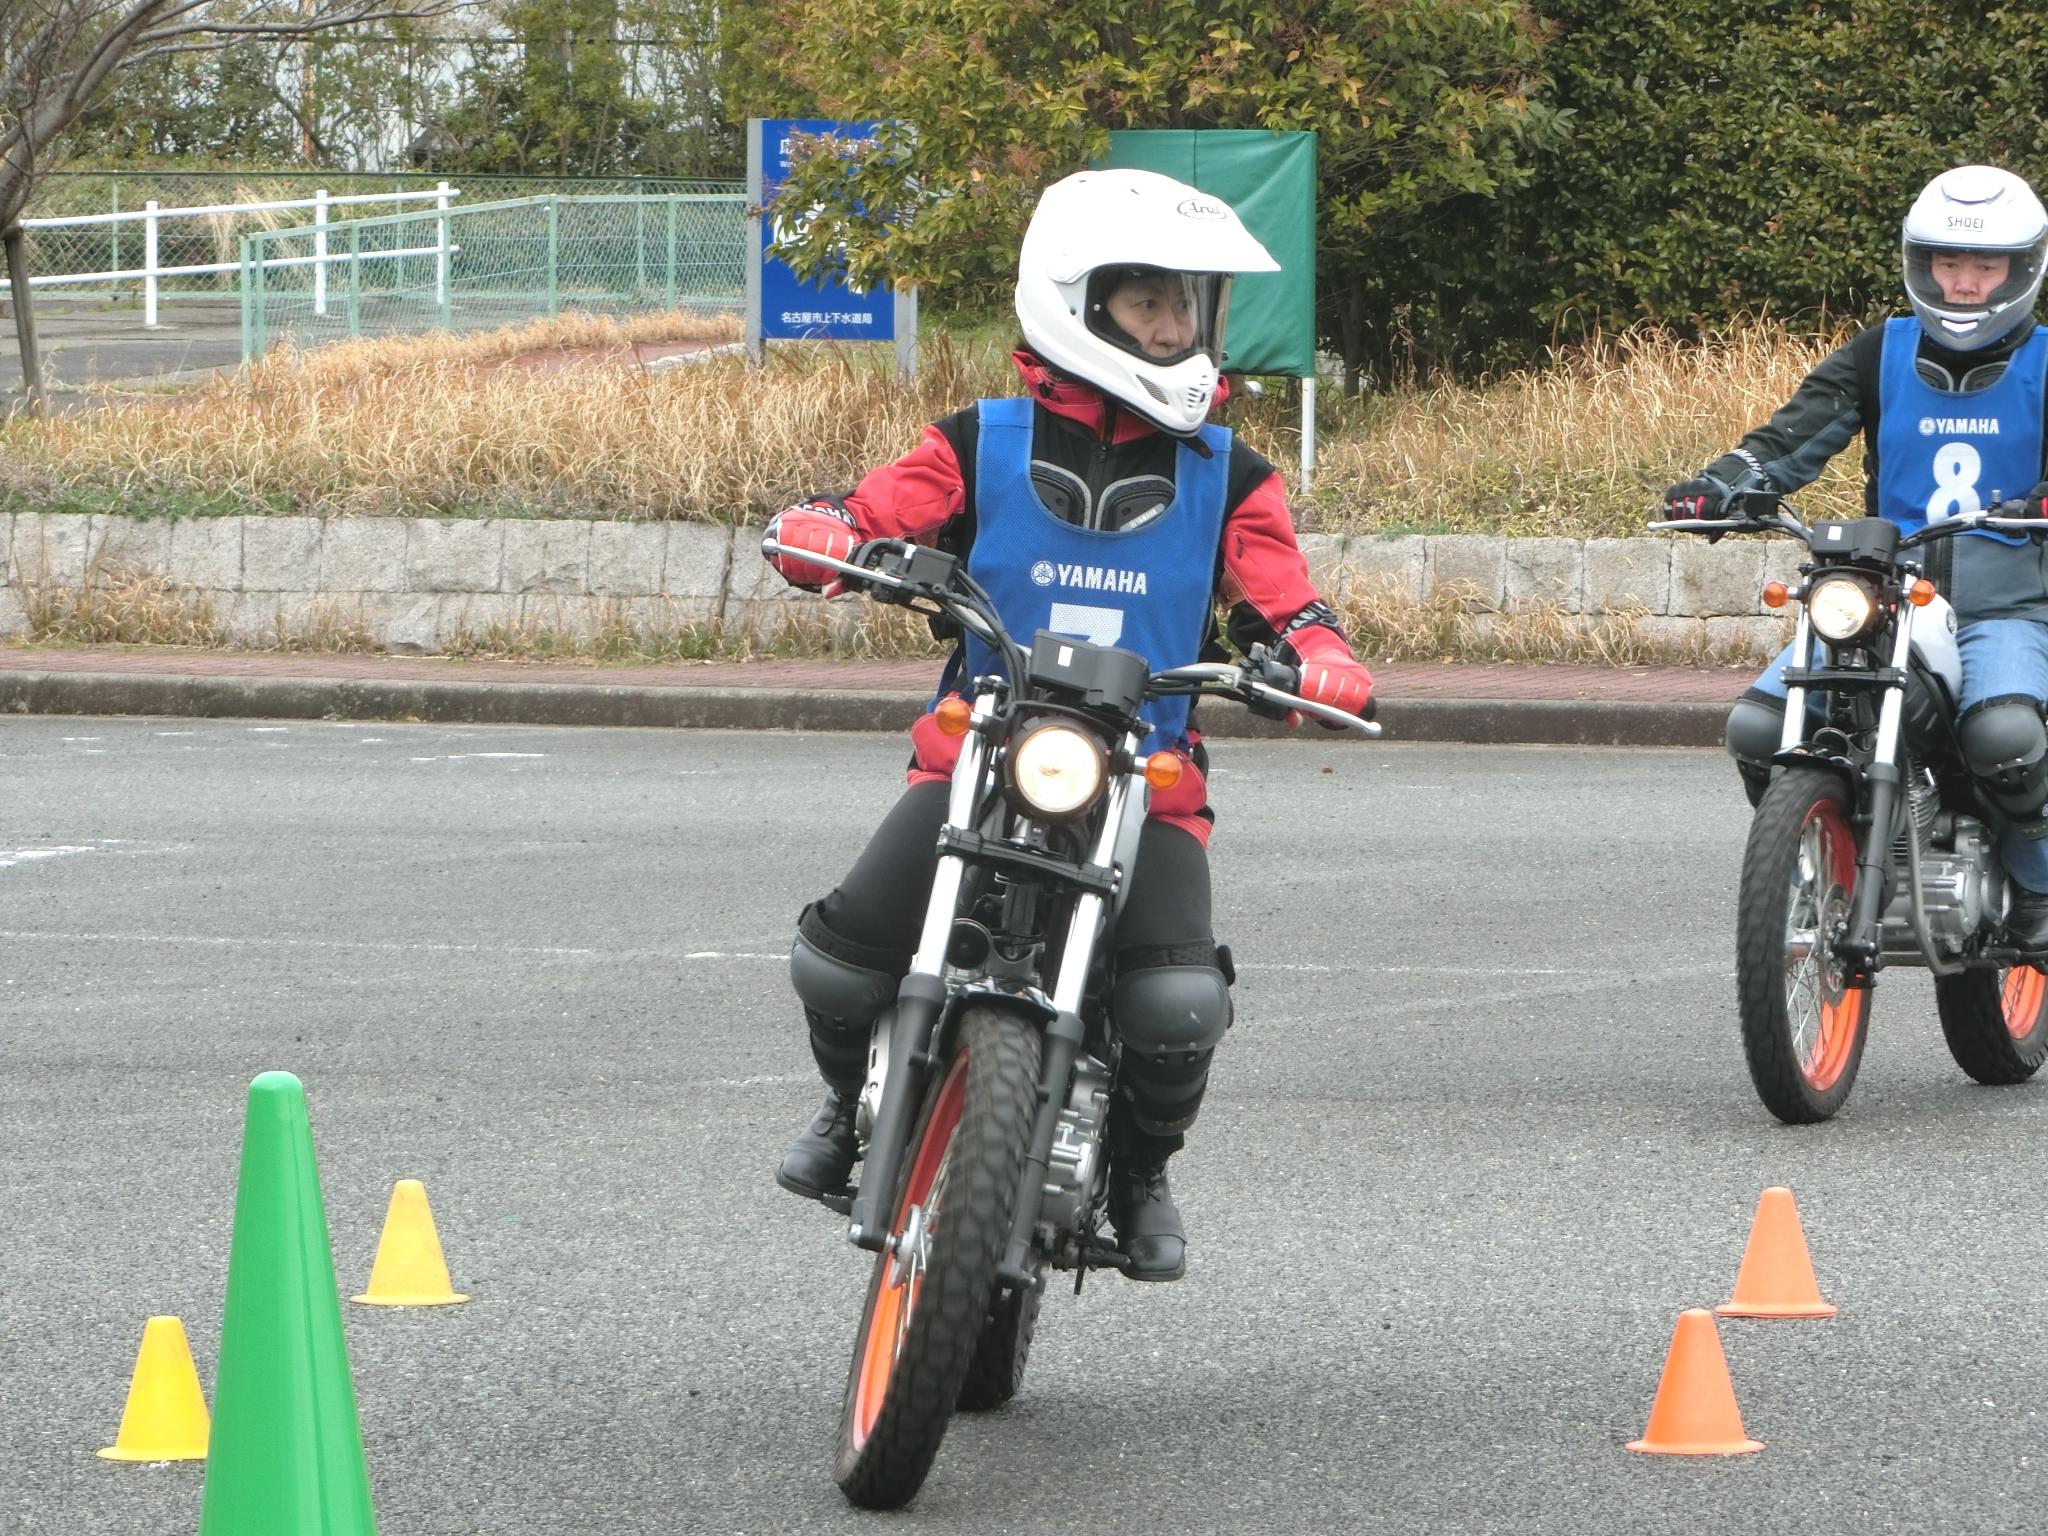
215	238
497	264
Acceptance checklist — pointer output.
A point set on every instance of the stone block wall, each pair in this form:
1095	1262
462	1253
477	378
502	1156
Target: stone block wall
415	584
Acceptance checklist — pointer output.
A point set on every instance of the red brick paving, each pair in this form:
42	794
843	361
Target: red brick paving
1397	680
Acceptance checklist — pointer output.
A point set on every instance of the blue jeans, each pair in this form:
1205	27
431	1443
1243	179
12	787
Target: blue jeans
2001	657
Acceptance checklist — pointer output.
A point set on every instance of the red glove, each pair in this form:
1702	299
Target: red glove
1330	674
816	526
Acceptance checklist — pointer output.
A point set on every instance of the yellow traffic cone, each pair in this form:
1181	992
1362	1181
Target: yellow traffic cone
165	1418
409	1270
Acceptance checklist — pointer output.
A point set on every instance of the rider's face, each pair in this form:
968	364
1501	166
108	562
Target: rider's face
1155	312
1969	277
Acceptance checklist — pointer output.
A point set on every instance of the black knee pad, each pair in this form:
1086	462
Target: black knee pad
2006	746
1172	1007
1756	726
844	982
842	997
1167	1010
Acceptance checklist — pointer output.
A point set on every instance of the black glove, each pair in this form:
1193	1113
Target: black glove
1702	498
2035	502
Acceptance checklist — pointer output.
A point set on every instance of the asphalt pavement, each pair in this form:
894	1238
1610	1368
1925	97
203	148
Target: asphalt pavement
1480	1132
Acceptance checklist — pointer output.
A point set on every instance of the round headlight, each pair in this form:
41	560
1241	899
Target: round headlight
1056	770
1841	608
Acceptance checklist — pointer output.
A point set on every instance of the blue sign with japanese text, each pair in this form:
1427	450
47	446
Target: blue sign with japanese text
790	308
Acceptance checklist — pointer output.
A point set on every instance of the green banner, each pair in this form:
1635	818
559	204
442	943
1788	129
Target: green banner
1270	179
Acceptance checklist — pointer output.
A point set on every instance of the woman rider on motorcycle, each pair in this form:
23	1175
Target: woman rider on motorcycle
1954	416
1122	289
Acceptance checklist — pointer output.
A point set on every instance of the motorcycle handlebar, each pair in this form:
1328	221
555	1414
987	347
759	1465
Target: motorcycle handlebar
1229	681
1237	683
2000	517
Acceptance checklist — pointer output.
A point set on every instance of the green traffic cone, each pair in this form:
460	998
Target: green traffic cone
286	1454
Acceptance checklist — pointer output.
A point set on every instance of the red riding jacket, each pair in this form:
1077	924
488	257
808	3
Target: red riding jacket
1097	464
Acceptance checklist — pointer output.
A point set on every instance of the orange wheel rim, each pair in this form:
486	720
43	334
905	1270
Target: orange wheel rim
902	1281
2024	989
1826	1015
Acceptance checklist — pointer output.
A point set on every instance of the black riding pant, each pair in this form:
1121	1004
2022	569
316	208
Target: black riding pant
873	918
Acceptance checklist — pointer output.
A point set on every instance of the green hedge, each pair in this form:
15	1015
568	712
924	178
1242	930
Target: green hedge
1726	157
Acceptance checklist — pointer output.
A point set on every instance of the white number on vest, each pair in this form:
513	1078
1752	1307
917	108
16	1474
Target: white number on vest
1956	467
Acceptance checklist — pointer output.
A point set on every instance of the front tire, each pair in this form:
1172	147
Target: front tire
1803	1028
928	1303
1002	1351
1995	1022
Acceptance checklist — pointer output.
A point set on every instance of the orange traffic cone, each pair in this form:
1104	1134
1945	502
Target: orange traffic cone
409	1270
1695	1412
1776	1278
165	1417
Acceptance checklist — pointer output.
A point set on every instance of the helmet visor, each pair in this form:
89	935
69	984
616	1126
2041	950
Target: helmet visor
1966	286
1162	317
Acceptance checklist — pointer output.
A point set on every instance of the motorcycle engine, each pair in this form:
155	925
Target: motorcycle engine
1959	884
1077	1143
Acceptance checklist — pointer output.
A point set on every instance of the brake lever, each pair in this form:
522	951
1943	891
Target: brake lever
866	574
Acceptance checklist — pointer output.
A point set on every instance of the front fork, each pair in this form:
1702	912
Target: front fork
920	1003
1860	946
1065	1033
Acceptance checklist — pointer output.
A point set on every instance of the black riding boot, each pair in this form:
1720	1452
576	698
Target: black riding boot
2026	921
820	1161
1148	1224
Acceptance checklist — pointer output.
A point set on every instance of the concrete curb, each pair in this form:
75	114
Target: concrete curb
1559	722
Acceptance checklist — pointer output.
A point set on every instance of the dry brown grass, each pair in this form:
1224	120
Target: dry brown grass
1581	446
391	428
431	426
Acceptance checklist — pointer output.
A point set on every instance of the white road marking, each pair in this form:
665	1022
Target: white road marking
226	940
1424	970
267	730
718	954
461	757
81	738
9	857
177	733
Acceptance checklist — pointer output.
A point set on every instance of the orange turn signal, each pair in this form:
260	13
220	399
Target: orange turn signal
954	716
1921	593
1776	594
1163	770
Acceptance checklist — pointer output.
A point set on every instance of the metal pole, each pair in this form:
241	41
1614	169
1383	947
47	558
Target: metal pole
554	257
1308	431
355	279
248	294
19	294
906	333
260	303
639	250
753	223
320	251
149	248
441	252
116	228
668	281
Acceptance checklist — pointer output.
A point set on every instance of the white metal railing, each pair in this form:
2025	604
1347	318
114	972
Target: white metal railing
153	271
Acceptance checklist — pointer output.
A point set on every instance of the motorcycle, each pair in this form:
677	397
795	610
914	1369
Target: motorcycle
984	1114
1872	845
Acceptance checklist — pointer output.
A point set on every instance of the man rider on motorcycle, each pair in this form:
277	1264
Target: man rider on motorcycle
1122	290
1954	416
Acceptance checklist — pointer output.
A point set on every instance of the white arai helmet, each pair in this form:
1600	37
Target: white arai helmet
1962	217
1103	236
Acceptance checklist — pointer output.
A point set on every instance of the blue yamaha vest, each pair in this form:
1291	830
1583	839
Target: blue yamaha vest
1149	589
1942	455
